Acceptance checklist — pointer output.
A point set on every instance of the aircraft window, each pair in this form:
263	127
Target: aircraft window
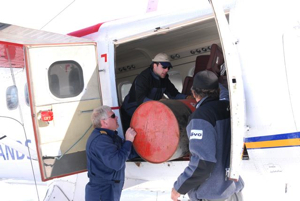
176	79
125	90
65	79
191	72
26	94
12	99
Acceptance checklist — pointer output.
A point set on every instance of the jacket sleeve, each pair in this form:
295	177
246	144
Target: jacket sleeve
224	95
111	156
202	145
142	88
172	92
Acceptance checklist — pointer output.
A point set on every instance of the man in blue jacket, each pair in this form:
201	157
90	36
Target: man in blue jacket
106	157
209	136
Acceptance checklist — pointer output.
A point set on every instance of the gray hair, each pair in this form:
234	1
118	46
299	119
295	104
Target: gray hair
214	93
99	114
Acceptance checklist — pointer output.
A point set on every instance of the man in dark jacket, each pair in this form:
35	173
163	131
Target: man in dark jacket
106	157
150	84
209	136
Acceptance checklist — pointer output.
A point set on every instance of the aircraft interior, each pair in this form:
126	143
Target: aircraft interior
192	47
184	46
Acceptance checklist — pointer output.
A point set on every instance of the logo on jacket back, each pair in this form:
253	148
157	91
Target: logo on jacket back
196	134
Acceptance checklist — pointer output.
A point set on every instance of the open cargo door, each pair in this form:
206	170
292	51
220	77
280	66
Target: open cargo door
64	89
235	87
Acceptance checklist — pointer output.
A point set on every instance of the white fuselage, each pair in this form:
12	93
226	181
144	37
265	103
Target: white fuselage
265	38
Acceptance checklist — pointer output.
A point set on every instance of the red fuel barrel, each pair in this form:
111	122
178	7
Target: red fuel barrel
161	129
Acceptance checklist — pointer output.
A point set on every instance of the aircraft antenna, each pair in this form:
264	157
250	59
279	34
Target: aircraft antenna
57	14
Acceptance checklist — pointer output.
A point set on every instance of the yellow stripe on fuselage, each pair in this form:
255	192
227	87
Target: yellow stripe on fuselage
273	143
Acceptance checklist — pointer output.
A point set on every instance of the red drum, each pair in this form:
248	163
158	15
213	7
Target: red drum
161	129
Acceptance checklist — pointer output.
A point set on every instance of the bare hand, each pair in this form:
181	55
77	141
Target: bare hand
174	195
130	134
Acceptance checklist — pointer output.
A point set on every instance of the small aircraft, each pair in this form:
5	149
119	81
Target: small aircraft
50	83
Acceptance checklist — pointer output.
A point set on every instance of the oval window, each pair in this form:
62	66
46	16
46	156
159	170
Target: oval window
26	94
12	99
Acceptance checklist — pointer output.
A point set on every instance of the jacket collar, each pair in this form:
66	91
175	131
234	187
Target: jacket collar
111	133
205	100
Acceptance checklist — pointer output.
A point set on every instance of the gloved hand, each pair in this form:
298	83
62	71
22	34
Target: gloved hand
223	69
189	97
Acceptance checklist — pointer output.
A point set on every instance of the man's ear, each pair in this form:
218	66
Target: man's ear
103	122
195	96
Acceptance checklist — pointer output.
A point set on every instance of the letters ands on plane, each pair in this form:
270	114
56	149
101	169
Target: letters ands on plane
7	153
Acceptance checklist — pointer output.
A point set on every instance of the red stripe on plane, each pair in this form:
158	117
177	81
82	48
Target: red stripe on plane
11	55
86	31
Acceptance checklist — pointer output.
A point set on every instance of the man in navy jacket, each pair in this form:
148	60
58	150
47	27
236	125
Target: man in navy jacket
209	136
106	157
150	84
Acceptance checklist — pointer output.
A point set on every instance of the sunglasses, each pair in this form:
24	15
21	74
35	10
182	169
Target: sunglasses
166	67
113	116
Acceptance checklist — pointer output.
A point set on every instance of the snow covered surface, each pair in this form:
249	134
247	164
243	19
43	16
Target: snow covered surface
258	187
11	190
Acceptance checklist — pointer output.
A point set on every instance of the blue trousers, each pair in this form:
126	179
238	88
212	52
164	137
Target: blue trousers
104	191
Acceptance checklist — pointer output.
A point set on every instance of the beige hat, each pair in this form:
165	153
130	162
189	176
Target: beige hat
161	57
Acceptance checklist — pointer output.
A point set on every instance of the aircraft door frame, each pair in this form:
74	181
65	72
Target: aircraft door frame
235	87
61	107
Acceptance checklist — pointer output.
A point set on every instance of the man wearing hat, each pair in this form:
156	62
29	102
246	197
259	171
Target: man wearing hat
150	84
209	136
